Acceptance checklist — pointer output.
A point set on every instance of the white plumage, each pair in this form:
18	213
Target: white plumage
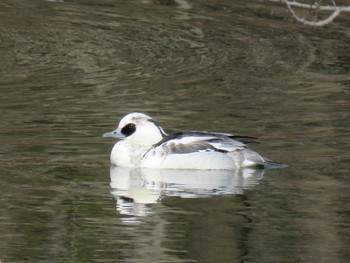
144	144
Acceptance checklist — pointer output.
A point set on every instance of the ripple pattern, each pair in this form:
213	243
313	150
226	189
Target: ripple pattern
67	65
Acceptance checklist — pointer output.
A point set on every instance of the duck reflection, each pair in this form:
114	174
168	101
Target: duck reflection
134	188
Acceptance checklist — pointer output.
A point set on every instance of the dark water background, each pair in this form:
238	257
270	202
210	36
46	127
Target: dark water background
70	70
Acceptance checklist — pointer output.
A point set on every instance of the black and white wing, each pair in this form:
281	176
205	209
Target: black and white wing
191	142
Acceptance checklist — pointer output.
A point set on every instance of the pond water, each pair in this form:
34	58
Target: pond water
71	69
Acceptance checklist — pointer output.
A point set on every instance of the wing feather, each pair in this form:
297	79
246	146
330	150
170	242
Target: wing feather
190	142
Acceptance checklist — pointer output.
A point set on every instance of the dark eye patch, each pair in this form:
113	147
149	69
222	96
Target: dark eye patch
128	129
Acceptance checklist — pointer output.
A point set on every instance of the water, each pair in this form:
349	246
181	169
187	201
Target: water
71	69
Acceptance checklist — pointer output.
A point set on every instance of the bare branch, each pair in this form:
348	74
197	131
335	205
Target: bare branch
317	9
327	20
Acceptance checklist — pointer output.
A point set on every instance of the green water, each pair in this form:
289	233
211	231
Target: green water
70	70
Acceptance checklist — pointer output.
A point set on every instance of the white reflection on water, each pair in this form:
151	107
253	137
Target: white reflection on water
134	188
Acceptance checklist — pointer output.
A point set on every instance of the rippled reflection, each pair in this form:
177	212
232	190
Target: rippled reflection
134	188
70	68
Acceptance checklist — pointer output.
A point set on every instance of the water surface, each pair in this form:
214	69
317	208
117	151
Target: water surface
71	69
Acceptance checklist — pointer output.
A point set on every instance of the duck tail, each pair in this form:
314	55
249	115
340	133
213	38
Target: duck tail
273	165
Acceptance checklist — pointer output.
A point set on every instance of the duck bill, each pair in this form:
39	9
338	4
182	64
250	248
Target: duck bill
114	134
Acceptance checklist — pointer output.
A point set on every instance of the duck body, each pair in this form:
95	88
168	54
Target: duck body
144	144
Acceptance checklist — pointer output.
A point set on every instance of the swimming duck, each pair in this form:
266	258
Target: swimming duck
145	144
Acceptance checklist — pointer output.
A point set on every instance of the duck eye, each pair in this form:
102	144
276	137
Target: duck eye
128	129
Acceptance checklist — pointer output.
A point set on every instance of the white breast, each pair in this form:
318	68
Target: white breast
126	154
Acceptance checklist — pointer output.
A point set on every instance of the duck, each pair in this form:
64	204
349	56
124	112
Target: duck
142	143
